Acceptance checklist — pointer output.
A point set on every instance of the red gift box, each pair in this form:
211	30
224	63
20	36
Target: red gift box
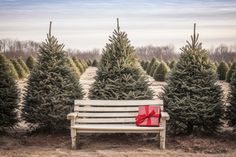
148	116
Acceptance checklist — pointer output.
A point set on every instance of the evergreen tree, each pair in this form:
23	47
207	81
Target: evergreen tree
145	65
52	88
12	70
73	67
23	65
161	72
9	95
119	76
222	70
191	96
20	71
230	72
229	64
142	63
231	108
31	62
95	63
78	64
89	62
172	64
149	68
213	66
154	67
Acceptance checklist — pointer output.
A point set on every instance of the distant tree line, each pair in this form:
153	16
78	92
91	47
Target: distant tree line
17	48
166	53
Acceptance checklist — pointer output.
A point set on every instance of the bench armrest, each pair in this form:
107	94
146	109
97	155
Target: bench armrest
165	115
71	115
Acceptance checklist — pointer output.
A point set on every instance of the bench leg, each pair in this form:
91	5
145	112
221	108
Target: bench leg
73	138
163	139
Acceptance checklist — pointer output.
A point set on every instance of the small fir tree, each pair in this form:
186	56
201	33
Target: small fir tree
154	67
95	63
20	71
31	62
230	72
161	72
89	62
52	88
73	67
145	65
78	64
222	70
172	64
23	65
231	108
191	96
119	76
12	70
149	68
9	95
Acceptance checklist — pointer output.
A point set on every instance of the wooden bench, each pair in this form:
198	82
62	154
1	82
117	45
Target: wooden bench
112	116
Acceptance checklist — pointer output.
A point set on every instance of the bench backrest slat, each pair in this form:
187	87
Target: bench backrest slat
110	111
118	102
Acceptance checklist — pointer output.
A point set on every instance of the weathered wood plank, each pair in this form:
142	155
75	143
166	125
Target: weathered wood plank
105	120
118	102
114	127
111	115
106	109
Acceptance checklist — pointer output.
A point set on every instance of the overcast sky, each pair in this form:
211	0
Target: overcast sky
86	24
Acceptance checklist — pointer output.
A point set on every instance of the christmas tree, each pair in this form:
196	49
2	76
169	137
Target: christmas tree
145	65
78	64
23	65
9	95
52	88
191	96
95	63
31	62
19	69
230	72
119	76
12	70
231	108
73	67
172	64
161	72
154	67
149	68
222	70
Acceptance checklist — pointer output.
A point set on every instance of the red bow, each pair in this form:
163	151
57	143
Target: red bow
141	118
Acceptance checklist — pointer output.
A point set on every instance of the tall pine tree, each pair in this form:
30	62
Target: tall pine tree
119	76
52	88
9	95
191	96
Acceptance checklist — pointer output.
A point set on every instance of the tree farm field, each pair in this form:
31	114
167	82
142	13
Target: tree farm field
21	144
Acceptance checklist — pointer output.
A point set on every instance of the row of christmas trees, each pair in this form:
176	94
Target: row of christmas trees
159	70
20	69
191	96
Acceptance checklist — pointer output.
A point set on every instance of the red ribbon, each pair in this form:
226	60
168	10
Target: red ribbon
141	118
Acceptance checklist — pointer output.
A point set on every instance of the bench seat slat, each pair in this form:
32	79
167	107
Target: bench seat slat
105	120
114	127
118	102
